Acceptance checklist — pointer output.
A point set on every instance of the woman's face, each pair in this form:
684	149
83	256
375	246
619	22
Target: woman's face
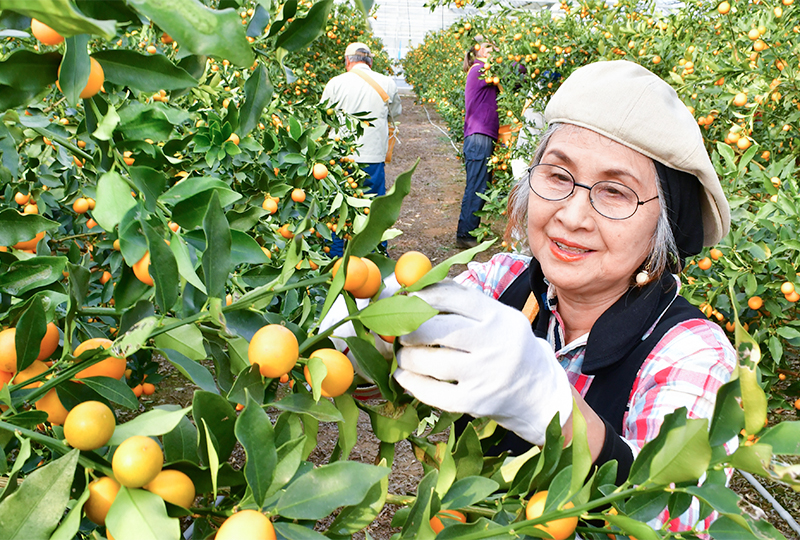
586	256
485	51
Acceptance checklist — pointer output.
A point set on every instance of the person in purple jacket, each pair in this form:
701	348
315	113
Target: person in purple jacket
480	133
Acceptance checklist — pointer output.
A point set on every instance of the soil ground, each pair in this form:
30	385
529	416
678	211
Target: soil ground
428	221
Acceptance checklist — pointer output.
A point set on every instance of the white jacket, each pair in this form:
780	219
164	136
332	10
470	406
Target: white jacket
352	94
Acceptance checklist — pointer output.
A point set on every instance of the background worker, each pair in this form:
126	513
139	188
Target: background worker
361	90
481	125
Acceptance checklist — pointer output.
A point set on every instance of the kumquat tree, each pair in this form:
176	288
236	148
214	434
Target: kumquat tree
170	185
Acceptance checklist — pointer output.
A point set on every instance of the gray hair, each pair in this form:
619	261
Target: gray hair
367	59
663	250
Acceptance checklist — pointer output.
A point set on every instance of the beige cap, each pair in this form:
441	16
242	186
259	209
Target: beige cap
357	48
631	105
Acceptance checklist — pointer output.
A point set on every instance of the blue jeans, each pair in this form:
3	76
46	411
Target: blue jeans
477	151
376	184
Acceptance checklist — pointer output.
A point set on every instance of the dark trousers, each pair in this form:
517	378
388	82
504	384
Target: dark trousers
477	151
376	184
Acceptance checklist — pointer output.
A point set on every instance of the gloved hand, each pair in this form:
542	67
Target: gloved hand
339	311
480	357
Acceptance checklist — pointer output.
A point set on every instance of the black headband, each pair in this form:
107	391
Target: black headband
682	193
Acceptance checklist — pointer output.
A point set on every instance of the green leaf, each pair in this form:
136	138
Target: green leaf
440	271
754	401
209	454
254	431
61	16
34	510
244	249
137	514
730	529
200	29
113	200
373	365
113	390
163	268
258	94
647	506
139	121
383	214
784	438
352	519
291	531
180	444
468	491
184	261
632	527
144	72
581	455
31	329
135	337
317	371
290	455
348	428
303	30
192	370
75	68
23	276
392	424
16	227
28	71
685	454
152	423
107	124
319	492
69	525
322	410
186	339
150	183
365	6
417	525
190	213
396	315
217	255
728	419
468	454
219	416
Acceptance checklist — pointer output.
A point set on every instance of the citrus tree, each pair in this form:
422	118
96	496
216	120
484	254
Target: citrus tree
178	212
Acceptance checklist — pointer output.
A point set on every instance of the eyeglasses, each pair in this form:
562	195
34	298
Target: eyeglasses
612	200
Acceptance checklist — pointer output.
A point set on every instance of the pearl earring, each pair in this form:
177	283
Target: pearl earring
643	277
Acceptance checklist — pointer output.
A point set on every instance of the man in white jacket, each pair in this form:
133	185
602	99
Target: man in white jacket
361	90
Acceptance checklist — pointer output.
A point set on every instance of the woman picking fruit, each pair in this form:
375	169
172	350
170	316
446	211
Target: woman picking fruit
620	192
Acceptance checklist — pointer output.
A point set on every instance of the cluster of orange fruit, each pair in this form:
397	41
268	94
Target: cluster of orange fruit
274	348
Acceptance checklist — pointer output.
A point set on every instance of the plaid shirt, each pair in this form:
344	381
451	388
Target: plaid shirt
685	369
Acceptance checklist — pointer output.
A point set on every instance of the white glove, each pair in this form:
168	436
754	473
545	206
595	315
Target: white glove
480	357
339	311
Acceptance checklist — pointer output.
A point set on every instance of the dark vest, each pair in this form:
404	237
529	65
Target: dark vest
615	349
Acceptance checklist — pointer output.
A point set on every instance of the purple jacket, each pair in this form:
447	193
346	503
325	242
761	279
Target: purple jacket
480	102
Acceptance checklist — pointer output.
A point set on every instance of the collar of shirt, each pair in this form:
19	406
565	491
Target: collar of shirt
620	331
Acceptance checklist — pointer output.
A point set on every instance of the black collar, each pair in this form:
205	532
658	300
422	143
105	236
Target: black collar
621	327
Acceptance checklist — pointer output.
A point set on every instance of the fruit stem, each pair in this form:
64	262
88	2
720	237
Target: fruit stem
74	236
56	445
62	141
